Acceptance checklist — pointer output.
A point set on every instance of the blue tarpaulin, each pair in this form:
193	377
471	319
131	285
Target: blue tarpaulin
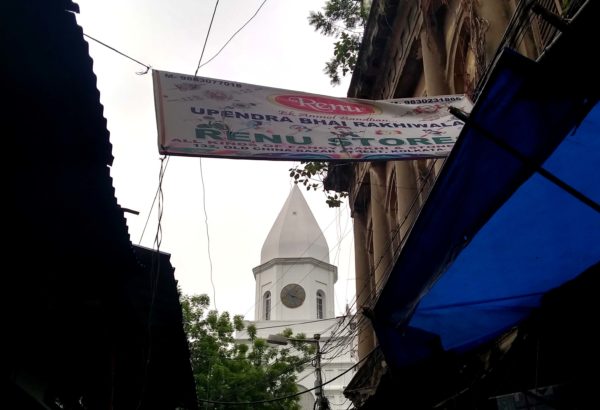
495	235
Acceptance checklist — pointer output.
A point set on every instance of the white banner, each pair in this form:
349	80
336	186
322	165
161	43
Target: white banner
206	117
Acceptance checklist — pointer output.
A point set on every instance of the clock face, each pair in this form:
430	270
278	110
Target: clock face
293	295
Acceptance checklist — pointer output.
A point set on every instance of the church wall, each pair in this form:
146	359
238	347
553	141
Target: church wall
312	278
264	282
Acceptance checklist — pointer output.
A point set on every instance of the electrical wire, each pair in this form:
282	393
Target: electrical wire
206	38
207	236
352	245
148	68
152	206
375	287
301	323
200	64
201	175
340	237
374	291
230	38
154	278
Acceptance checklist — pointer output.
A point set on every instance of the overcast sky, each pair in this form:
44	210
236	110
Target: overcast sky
277	49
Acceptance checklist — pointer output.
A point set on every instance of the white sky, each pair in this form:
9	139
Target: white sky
277	49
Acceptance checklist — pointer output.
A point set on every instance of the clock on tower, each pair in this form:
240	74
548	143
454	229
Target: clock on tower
293	295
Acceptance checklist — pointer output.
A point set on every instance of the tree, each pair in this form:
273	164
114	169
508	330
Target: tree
225	371
344	20
311	174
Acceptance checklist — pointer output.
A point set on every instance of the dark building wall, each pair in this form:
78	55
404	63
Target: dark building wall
69	265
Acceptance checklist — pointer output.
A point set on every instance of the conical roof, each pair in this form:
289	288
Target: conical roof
295	233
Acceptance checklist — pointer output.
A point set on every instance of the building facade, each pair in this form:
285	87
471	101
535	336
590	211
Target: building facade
414	49
295	289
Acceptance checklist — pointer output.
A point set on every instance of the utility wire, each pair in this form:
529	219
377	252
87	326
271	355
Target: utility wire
362	322
202	174
207	35
301	323
148	68
230	38
372	293
153	202
154	278
330	347
207	236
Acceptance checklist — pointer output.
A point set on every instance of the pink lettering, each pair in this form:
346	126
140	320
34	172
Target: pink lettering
323	104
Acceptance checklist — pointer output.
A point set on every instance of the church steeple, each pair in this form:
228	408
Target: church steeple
294	280
295	233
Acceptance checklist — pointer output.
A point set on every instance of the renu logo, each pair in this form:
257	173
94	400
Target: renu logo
323	105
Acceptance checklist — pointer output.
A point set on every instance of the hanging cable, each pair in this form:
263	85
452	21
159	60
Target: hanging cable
300	323
153	202
154	277
207	35
148	68
207	236
230	38
362	322
371	290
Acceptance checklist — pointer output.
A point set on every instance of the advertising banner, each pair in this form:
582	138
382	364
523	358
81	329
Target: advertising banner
206	117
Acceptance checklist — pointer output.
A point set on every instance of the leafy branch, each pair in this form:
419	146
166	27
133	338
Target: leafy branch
311	174
345	21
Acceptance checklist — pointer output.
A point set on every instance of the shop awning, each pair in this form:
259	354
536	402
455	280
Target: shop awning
497	232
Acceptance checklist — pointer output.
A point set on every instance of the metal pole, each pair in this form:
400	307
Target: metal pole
322	402
319	380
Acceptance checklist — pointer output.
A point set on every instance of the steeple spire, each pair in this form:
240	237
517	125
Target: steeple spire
295	232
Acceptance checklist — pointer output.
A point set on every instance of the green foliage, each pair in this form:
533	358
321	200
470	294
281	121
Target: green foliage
311	175
345	21
234	372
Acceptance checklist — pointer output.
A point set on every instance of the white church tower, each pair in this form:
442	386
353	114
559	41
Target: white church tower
295	280
295	289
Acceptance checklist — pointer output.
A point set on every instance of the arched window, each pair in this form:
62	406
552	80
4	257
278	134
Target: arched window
267	305
320	304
